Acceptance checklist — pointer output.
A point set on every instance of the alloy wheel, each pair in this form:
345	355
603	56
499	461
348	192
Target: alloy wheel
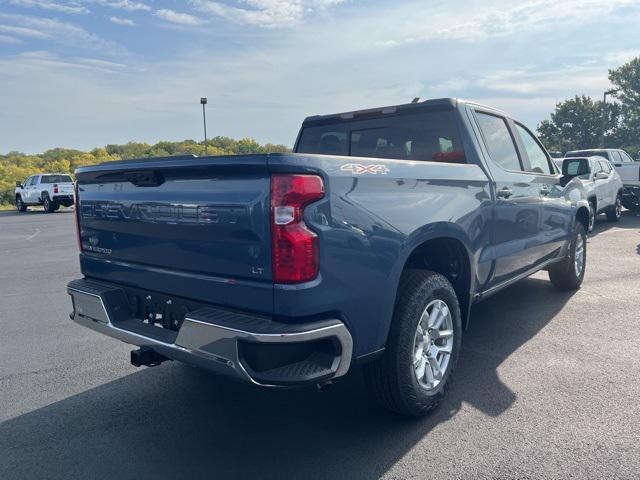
433	344
579	255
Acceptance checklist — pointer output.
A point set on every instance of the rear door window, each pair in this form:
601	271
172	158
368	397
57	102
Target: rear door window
538	160
625	158
615	157
498	140
425	136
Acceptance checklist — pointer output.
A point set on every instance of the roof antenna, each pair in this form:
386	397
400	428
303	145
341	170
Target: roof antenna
415	100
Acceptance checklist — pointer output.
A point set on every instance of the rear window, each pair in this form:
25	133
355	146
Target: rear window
56	179
588	153
575	166
427	136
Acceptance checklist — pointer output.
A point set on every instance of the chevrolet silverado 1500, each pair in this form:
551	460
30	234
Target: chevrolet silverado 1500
369	244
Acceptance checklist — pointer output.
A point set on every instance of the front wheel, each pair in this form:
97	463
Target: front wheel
413	375
615	212
592	217
20	205
569	273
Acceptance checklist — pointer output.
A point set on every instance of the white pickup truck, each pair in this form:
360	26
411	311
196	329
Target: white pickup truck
47	189
628	170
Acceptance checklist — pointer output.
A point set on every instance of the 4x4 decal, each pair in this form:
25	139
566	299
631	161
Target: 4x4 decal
359	169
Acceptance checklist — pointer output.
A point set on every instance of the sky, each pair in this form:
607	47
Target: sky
86	73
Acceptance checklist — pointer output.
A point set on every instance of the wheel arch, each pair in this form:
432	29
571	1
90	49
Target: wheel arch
582	216
443	248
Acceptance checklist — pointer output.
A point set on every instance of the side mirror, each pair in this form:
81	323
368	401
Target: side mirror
19	185
601	176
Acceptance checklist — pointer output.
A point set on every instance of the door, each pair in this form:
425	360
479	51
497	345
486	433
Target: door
30	189
556	211
626	167
517	203
599	185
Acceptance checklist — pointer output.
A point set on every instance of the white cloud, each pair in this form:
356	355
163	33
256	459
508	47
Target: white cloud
128	5
64	33
266	13
66	7
480	20
22	31
8	39
177	17
123	21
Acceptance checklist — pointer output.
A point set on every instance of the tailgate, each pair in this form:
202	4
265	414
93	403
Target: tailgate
191	227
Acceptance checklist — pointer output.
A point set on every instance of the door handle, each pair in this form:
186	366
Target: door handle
505	192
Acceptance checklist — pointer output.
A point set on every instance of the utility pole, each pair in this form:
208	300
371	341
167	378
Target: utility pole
203	102
604	115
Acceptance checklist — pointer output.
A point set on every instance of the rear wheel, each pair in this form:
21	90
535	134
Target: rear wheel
20	205
49	206
413	375
615	212
569	273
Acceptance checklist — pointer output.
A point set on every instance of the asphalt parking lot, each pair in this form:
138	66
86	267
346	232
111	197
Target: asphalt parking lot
548	386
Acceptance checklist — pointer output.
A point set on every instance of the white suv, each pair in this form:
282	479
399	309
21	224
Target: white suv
602	184
628	169
47	189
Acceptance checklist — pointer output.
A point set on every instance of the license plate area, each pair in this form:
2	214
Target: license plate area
159	310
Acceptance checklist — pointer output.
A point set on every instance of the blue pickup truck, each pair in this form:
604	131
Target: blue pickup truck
367	245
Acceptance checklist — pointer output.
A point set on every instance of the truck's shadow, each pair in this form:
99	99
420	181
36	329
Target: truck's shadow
629	220
178	422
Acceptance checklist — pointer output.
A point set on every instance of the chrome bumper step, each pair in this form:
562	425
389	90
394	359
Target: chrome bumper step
220	340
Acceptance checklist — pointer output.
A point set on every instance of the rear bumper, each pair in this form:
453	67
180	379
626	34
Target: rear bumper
236	344
67	199
631	196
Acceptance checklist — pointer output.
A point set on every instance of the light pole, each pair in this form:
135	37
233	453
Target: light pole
604	114
203	102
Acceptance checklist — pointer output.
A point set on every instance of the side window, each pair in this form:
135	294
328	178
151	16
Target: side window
538	160
615	157
26	182
597	168
498	141
606	166
626	158
32	180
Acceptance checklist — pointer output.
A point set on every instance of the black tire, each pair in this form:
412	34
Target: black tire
392	378
48	204
56	207
614	213
592	216
20	206
564	275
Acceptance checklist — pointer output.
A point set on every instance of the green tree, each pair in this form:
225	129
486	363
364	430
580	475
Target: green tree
576	123
16	166
626	79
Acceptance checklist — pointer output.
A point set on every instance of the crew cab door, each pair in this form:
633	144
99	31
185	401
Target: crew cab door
517	211
600	186
626	167
557	213
29	195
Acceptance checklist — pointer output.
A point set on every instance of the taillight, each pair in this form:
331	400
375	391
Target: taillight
55	188
295	247
77	212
